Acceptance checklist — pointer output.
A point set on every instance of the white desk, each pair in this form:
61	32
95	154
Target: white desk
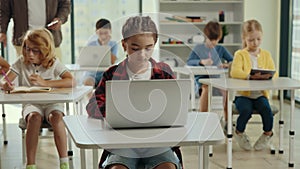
202	129
191	71
64	95
233	85
77	67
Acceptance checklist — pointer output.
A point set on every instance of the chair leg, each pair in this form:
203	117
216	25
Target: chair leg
272	148
4	125
23	146
70	152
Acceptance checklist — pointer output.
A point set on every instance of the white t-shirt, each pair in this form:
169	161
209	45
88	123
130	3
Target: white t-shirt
24	71
36	14
142	76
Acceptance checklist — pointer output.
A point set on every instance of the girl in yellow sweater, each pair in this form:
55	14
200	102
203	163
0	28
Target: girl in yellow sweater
252	56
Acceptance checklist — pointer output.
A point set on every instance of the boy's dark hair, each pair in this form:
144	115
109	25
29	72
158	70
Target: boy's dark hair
103	23
213	30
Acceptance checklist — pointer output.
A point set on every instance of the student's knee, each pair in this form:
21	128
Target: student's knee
55	117
117	166
34	117
166	165
204	87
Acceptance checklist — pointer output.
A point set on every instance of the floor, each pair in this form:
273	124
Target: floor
47	158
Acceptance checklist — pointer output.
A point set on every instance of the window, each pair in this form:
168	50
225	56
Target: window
295	45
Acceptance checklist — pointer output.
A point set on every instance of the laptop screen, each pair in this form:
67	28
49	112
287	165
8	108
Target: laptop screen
95	56
147	103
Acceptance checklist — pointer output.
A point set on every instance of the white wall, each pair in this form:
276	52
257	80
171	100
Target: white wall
267	12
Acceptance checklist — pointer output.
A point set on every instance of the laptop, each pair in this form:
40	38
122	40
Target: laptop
147	103
95	56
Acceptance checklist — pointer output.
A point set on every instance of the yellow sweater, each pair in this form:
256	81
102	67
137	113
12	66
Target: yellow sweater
242	65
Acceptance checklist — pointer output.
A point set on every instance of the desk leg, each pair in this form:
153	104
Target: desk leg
4	125
292	131
201	157
192	78
82	158
70	152
95	158
229	129
281	123
209	110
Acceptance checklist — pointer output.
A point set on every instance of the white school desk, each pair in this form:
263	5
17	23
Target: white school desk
191	71
63	95
233	85
77	67
202	129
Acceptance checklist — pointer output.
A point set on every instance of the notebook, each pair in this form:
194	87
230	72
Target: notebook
147	103
95	56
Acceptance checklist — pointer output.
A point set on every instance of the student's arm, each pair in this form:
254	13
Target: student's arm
113	59
240	67
6	82
66	80
194	58
226	55
114	51
96	106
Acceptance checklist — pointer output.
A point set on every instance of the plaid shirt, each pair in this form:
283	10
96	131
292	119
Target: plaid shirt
96	106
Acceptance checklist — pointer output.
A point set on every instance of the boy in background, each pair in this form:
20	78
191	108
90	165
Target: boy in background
209	53
103	31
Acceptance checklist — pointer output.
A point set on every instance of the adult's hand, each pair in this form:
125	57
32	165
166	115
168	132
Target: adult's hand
55	26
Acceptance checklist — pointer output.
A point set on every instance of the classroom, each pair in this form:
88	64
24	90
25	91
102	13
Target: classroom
180	31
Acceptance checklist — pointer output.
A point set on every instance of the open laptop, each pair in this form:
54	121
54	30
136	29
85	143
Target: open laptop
95	56
147	103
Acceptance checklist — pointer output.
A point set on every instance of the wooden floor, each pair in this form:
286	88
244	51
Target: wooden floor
47	158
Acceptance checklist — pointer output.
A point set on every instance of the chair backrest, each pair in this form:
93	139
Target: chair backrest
229	69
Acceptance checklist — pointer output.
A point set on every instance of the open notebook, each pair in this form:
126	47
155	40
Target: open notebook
33	89
147	103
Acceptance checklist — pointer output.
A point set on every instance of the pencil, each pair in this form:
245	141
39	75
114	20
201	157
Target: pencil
6	78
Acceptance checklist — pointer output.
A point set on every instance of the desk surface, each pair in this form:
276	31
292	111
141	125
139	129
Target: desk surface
77	67
199	70
280	83
201	128
54	96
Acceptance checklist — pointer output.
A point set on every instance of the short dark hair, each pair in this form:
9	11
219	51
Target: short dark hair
103	23
213	30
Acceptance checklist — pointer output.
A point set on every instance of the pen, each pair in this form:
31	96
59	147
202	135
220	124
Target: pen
209	55
6	78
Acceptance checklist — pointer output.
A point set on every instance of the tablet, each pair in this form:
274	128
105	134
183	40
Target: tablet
263	71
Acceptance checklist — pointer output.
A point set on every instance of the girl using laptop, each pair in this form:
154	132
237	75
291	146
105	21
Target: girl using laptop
139	38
